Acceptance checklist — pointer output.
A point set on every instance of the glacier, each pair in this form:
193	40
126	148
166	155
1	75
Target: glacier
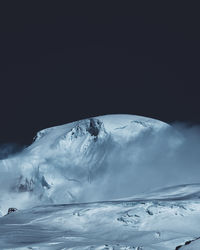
107	182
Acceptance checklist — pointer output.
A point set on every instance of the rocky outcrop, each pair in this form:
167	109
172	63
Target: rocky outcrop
11	210
92	126
186	243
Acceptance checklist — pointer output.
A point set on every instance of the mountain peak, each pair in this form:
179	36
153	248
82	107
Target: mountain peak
93	126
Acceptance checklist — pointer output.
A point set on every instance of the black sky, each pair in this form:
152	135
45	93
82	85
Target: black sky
60	63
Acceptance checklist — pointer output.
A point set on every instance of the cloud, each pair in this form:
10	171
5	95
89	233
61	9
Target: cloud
9	149
154	160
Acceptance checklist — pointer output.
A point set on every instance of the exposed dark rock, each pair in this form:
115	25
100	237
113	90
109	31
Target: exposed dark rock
11	210
186	243
25	185
149	212
94	127
44	183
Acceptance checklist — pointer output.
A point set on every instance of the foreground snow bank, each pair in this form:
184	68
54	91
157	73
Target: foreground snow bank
138	224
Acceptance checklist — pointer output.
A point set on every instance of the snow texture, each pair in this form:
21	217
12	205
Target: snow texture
71	184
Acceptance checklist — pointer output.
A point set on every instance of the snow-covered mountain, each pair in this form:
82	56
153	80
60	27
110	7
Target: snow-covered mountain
77	162
94	184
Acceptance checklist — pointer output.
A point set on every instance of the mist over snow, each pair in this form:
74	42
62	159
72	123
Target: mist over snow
9	149
103	158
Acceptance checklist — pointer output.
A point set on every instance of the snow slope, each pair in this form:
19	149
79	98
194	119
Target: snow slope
138	224
179	192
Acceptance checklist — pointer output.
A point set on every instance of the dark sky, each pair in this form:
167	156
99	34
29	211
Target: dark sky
60	63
